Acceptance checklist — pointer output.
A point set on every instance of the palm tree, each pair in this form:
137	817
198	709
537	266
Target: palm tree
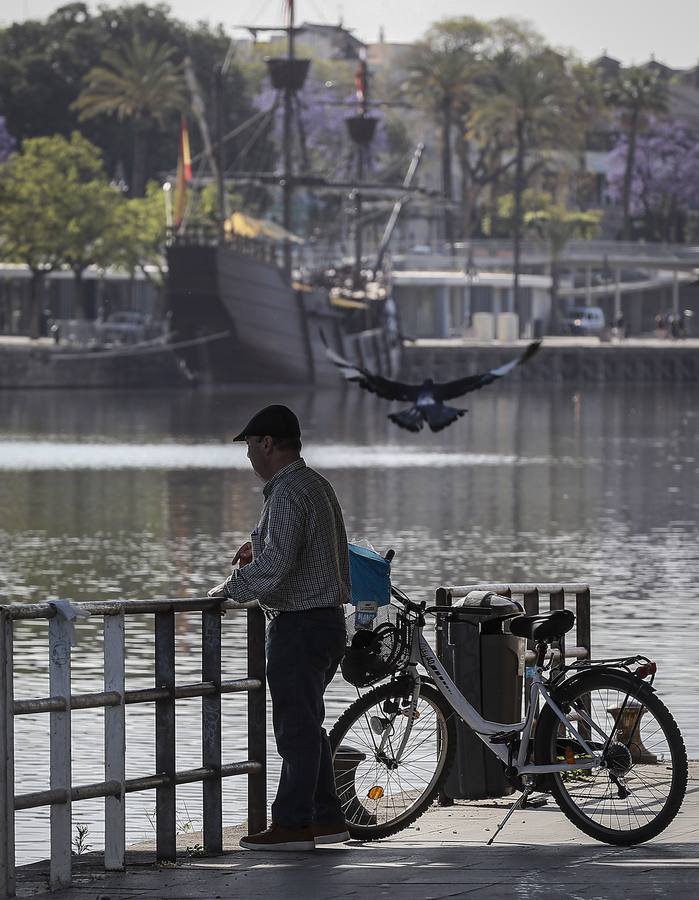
441	78
536	95
140	82
637	93
558	225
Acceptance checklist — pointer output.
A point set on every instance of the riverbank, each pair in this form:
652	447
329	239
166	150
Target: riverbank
444	854
26	363
560	359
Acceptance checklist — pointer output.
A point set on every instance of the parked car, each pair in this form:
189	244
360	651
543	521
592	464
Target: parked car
124	327
583	320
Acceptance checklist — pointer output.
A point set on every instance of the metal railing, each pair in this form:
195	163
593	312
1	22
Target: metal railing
497	254
530	594
114	698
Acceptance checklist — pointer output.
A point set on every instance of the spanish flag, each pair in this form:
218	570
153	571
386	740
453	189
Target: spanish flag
184	174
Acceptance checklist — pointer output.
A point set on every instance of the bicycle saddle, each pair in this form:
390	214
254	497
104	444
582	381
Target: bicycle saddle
543	626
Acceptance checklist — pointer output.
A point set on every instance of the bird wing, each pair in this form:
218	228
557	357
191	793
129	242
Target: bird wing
447	390
383	387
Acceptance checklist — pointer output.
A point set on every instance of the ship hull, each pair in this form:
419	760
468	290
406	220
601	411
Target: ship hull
274	330
29	364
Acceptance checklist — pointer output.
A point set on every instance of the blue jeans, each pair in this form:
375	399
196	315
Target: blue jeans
304	650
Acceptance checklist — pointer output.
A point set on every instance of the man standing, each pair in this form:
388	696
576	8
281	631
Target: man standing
297	566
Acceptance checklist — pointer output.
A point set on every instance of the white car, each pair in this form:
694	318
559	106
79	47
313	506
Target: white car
583	320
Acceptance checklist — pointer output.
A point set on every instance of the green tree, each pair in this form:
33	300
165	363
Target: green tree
57	209
89	214
441	74
141	83
538	97
44	63
41	66
637	93
557	225
138	237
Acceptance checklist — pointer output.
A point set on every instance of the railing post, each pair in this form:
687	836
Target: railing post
582	635
60	752
211	730
165	811
7	768
257	722
557	601
531	608
582	620
114	744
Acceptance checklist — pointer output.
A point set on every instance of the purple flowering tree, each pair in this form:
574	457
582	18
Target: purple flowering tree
321	143
322	147
7	142
664	182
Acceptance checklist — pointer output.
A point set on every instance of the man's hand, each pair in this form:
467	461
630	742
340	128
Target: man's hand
217	591
243	555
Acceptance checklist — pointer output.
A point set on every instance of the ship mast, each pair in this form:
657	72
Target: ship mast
287	215
287	75
361	129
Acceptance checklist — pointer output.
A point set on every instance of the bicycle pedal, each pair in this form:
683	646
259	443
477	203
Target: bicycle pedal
534	803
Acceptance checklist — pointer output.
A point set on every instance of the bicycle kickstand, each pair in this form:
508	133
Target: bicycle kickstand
522	799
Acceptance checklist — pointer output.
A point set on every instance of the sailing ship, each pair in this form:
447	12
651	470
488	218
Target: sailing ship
269	321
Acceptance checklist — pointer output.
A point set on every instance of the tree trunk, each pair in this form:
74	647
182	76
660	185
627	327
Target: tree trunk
469	191
80	299
517	225
138	167
35	286
555	282
494	194
628	177
446	170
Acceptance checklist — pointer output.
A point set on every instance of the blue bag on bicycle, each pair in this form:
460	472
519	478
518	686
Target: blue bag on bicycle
370	575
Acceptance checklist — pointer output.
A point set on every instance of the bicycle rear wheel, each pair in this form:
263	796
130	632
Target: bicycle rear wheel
640	789
380	795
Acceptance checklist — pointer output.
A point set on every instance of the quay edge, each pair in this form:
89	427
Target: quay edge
558	360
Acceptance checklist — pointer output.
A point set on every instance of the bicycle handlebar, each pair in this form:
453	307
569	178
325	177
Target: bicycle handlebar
422	607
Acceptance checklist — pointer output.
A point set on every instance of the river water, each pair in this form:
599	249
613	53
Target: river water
141	495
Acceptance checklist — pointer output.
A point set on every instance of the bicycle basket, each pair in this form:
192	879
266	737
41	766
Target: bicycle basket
374	655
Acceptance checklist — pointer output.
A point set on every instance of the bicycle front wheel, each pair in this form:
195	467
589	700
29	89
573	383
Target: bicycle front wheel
381	789
640	787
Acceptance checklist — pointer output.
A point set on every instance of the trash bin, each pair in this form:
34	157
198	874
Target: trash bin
486	663
347	759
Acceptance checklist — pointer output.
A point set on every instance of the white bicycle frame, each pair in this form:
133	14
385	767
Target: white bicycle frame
422	654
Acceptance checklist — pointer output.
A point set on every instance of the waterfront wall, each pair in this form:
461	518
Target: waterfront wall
38	365
672	362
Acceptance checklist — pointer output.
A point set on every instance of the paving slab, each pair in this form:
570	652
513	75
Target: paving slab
540	854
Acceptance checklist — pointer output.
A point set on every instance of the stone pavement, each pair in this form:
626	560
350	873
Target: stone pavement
538	855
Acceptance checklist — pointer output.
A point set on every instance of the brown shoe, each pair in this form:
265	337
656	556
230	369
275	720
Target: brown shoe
277	838
333	833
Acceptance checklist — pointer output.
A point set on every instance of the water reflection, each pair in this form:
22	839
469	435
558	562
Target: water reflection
123	495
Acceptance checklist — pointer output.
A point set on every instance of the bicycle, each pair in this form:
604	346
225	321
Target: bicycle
596	735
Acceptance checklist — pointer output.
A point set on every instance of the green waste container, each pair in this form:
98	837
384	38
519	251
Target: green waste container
486	663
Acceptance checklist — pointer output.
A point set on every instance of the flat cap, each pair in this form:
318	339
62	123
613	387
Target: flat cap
275	420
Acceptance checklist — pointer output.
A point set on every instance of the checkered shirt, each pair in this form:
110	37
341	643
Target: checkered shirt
299	548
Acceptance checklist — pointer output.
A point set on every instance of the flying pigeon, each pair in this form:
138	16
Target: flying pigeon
427	398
